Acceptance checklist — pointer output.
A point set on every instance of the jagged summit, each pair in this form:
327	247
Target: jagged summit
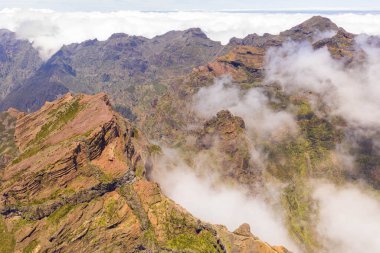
195	32
314	25
6	32
118	36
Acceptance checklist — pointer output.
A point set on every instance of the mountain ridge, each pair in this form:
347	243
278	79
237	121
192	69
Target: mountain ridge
85	184
75	67
213	106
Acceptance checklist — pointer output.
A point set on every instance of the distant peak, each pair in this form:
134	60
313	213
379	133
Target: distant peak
2	31
320	22
7	33
195	32
118	36
317	23
310	28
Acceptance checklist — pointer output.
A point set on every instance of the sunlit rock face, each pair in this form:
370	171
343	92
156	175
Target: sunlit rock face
77	181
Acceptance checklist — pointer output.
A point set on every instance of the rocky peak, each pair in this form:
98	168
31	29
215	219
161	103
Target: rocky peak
190	33
317	23
224	134
195	32
341	46
310	28
242	63
244	230
7	36
118	36
264	41
245	242
225	125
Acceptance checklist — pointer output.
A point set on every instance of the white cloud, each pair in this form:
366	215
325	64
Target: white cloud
251	105
349	219
353	93
219	204
51	29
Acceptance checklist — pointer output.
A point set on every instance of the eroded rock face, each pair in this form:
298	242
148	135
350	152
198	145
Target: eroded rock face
78	184
243	63
243	241
225	135
244	59
8	149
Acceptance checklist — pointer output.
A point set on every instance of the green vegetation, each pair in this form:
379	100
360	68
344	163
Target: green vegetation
297	159
7	140
150	237
111	208
154	149
60	213
31	246
26	154
7	240
368	161
60	118
140	170
20	223
288	159
135	133
204	242
301	214
318	131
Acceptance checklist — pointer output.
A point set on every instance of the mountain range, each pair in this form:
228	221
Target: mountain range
84	132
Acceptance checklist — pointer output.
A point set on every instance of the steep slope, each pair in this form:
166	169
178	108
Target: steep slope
79	185
224	135
18	61
8	149
310	154
243	60
165	113
124	66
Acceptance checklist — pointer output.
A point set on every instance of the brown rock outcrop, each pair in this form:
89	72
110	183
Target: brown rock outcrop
225	135
78	185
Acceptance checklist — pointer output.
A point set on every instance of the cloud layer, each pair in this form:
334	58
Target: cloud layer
251	105
49	30
352	93
219	204
349	218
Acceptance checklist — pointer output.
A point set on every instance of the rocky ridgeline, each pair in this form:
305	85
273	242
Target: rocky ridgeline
72	173
78	185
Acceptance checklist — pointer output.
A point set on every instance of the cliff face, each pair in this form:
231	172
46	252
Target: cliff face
78	184
224	134
8	149
18	61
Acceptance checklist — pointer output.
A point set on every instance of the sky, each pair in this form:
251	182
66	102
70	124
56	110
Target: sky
157	5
